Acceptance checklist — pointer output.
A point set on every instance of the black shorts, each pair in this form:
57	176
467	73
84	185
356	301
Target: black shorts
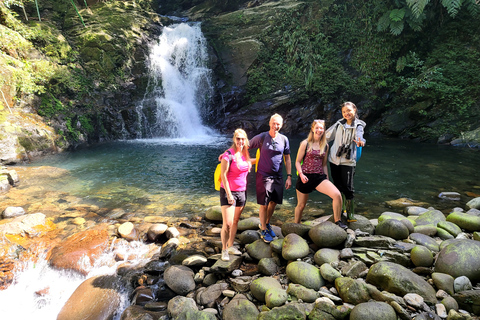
314	179
269	189
239	197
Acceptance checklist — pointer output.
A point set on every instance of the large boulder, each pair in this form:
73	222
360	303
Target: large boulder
425	241
260	286
392	228
327	235
259	250
432	217
180	279
399	280
373	310
474	203
79	251
465	221
305	274
96	298
294	247
460	258
354	291
326	255
240	305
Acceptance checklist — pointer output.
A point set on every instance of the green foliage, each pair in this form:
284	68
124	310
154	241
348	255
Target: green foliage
51	107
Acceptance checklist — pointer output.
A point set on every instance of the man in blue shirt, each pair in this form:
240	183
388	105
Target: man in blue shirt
274	147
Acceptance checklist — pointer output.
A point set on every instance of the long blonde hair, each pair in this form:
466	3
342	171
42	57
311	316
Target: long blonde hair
245	153
323	138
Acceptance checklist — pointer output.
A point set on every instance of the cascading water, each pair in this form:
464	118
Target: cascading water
179	85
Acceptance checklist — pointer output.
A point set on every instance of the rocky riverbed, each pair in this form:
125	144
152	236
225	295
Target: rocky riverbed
414	263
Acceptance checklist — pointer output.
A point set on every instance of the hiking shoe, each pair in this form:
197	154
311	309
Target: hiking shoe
266	236
225	256
341	224
234	251
269	229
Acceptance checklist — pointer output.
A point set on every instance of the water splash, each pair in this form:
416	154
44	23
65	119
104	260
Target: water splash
40	292
179	84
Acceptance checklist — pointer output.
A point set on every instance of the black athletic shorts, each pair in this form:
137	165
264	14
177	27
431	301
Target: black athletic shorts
269	189
314	179
240	198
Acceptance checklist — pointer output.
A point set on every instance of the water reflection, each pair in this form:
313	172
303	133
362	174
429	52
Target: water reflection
175	177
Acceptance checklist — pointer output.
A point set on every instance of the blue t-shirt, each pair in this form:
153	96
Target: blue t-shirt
271	153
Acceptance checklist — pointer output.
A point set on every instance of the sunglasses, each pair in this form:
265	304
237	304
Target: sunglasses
319	121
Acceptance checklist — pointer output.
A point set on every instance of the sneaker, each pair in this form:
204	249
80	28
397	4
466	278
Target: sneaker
225	256
266	236
341	224
234	251
269	230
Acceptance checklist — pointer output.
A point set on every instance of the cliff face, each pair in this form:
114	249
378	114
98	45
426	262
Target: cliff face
73	79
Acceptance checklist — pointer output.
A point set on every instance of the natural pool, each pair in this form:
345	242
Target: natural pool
175	176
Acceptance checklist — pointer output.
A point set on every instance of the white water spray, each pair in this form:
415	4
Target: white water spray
179	83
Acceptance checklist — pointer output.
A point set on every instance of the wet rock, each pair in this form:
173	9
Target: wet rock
195	260
392	228
460	258
474	203
156	231
11	212
443	281
259	250
143	295
329	273
172	232
127	231
468	300
297	228
427	229
453	196
462	284
431	217
24	224
425	241
399	280
421	256
249	236
267	266
100	298
405	202
180	279
326	255
294	247
214	213
240	305
260	286
79	251
179	304
354	291
292	310
327	235
211	293
305	274
302	293
168	248
138	312
373	310
465	221
227	266
275	297
248	224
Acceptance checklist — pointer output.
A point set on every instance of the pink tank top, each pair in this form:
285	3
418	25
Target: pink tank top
313	162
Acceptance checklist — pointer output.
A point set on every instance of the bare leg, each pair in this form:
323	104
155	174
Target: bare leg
330	190
301	202
228	213
263	217
233	228
270	209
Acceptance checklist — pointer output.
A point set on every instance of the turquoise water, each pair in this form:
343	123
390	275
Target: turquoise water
175	177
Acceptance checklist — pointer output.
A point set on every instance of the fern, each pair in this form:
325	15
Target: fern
396	15
384	22
396	27
417	6
453	6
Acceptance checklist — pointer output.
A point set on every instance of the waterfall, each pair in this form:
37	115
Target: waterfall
179	84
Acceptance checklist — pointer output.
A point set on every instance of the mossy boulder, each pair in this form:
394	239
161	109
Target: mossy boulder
392	228
432	217
460	258
450	227
301	292
373	310
327	235
260	286
425	241
275	297
399	280
465	221
259	250
326	255
294	247
421	256
240	305
353	291
305	274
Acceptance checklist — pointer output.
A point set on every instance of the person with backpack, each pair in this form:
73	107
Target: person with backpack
235	166
311	164
274	148
347	136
